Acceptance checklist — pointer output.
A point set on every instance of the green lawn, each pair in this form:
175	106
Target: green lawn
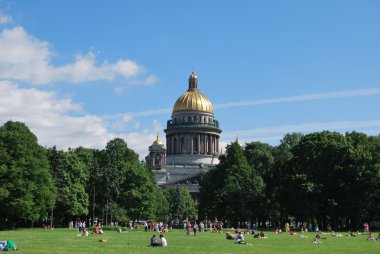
67	241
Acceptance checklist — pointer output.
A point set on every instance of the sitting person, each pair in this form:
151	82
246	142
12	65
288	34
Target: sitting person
378	237
240	238
97	229
370	237
317	239
163	243
153	241
292	233
350	234
262	235
85	232
257	235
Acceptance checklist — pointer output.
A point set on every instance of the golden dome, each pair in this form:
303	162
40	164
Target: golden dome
158	141
193	99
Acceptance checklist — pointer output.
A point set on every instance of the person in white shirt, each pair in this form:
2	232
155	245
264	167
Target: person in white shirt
164	243
240	238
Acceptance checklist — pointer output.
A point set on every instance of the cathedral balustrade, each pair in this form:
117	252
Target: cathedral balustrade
214	124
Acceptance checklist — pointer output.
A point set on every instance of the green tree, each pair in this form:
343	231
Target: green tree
231	191
126	182
91	159
116	159
315	177
260	158
282	155
161	205
360	180
139	189
71	177
181	205
26	186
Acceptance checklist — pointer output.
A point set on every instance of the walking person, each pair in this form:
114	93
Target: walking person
195	228
188	226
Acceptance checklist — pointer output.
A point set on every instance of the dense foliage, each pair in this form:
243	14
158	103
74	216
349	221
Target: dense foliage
181	205
37	184
320	178
27	191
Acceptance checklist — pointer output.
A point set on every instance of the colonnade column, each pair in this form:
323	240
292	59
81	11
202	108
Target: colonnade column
217	145
191	144
172	145
199	143
210	143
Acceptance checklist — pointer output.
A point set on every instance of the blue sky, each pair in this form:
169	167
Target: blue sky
83	72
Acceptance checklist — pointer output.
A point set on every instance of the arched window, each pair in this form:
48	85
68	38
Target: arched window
175	146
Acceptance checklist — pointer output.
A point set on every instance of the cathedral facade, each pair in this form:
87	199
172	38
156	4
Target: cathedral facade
192	142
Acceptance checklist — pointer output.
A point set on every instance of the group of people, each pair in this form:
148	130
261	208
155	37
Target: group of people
8	246
154	243
239	238
98	229
194	227
158	227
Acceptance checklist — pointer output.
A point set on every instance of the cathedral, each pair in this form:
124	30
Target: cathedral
192	142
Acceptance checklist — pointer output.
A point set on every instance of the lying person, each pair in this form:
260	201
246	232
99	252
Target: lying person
8	246
229	236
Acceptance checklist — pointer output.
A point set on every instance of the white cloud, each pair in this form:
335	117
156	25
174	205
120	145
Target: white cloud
5	19
139	141
305	97
305	128
26	58
48	117
273	135
150	80
119	90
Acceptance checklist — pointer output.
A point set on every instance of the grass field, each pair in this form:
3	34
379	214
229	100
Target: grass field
67	241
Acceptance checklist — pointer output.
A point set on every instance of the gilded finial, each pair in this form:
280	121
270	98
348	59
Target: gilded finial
193	80
157	141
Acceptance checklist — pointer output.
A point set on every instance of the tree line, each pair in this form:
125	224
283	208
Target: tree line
39	184
321	178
